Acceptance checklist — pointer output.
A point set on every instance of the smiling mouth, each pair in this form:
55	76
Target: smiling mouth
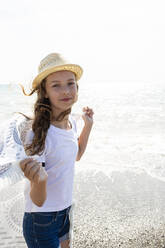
66	99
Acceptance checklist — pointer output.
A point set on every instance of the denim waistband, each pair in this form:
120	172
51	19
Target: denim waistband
60	212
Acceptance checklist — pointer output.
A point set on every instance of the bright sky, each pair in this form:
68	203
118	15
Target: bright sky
119	40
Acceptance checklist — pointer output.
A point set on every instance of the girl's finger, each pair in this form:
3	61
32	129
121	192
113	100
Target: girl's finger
29	166
34	170
90	111
85	108
24	162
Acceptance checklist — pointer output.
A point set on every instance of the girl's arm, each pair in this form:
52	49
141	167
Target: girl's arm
83	139
38	193
38	178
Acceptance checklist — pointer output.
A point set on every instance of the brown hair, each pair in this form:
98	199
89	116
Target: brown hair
42	119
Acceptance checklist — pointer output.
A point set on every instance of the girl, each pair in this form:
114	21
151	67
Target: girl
53	138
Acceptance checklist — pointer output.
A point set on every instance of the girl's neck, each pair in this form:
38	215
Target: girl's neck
64	124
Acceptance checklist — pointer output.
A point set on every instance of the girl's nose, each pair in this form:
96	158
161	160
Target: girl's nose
65	89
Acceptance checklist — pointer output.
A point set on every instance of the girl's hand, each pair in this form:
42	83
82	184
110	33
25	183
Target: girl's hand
33	170
88	116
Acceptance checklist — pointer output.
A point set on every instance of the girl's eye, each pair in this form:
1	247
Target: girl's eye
71	83
55	85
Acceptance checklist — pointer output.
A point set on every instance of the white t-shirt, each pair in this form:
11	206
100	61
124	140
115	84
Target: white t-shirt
61	147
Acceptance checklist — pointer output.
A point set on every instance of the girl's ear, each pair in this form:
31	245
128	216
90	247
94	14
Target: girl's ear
77	86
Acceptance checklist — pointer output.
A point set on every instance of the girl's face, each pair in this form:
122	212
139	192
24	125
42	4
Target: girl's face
61	89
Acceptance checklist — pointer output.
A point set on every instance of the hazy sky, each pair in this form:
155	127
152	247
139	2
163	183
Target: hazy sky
119	40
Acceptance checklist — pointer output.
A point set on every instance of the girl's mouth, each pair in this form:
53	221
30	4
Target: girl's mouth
65	99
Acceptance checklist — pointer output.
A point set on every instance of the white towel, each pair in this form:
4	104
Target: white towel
12	137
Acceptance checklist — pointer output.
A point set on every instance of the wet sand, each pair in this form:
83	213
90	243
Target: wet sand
125	210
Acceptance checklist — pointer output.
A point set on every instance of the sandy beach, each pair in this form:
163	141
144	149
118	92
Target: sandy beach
126	210
123	210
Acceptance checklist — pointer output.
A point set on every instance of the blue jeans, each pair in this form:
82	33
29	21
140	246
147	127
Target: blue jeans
46	229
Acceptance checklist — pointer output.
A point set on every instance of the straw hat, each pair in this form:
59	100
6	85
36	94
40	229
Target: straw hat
52	63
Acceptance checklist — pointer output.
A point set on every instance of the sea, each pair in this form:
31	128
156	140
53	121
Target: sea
129	123
128	133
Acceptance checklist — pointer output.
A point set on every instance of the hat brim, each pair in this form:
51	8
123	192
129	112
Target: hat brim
67	67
